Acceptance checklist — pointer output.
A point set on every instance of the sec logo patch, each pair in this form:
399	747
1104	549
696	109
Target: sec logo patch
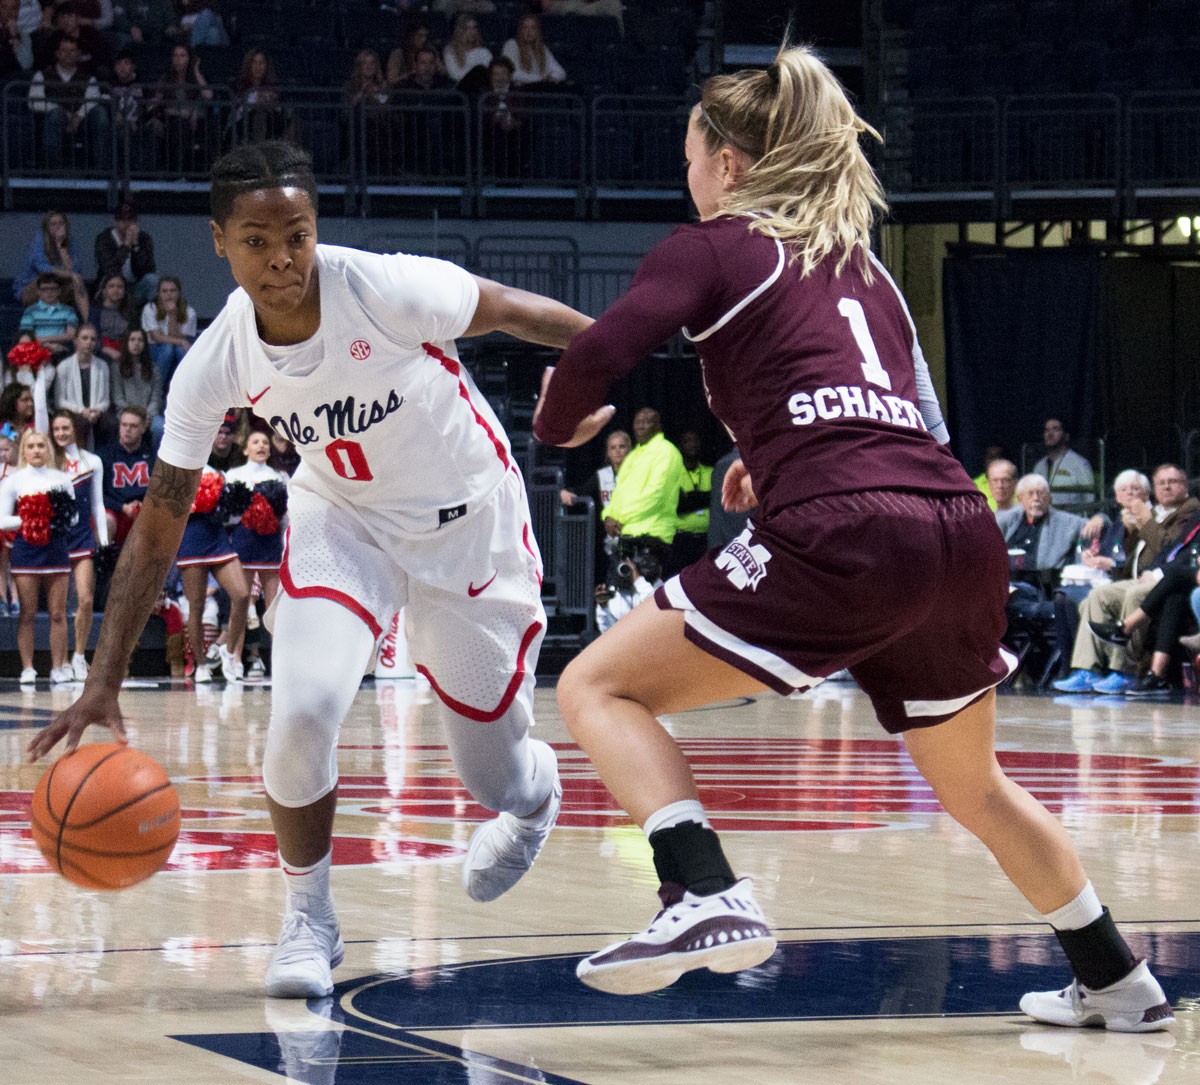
360	350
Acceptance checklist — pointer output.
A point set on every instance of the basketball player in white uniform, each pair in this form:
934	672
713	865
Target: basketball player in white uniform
407	496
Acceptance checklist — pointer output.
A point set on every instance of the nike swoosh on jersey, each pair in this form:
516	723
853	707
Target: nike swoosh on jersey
473	591
255	399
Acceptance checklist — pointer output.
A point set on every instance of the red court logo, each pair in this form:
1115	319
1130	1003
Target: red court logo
360	350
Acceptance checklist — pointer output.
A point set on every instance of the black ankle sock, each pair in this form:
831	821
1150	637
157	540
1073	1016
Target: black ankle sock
690	855
1098	954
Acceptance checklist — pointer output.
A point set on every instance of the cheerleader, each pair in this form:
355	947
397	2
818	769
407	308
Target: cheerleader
258	535
91	530
37	502
205	548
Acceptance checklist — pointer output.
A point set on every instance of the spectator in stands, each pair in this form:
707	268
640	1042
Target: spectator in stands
1072	481
126	249
111	313
201	22
643	509
466	57
66	100
695	496
992	452
180	112
38	557
170	325
226	451
284	456
16	409
16	50
1151	534
81	386
503	147
94	50
1041	541
48	320
613	9
532	61
127	465
402	61
144	22
426	75
600	485
1002	485
724	525
52	251
365	95
1166	607
127	100
135	381
258	114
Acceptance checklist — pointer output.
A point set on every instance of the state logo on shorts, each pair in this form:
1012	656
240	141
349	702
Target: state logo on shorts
744	562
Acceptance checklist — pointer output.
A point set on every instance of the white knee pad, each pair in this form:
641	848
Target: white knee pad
318	656
498	763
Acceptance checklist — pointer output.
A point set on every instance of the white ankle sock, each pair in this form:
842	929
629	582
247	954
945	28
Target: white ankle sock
677	813
1078	913
308	887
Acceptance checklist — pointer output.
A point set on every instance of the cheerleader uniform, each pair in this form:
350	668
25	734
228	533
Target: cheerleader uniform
29	559
87	472
204	540
258	553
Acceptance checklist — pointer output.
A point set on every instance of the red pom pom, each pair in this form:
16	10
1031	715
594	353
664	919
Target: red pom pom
30	353
259	517
35	510
209	493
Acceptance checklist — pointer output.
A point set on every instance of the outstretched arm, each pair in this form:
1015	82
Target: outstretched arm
145	561
525	315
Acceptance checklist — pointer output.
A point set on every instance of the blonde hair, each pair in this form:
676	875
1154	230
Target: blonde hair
810	184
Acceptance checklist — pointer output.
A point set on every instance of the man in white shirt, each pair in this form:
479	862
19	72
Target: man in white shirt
1072	480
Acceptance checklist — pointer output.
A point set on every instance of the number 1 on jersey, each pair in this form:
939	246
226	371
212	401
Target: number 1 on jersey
872	368
349	460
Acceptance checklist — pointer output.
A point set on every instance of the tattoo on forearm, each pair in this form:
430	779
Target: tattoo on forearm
173	487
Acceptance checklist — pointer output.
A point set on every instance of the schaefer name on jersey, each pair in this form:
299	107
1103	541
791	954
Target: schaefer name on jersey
851	401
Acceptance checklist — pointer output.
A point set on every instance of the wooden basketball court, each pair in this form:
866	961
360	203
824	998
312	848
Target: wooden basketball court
903	949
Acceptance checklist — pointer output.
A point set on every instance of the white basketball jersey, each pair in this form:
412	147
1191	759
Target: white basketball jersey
388	421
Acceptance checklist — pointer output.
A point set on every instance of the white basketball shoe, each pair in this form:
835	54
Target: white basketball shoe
503	849
724	932
1133	1004
309	950
232	669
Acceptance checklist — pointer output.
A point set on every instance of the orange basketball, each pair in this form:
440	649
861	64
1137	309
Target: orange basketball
105	816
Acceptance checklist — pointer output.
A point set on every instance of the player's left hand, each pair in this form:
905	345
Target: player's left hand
588	428
737	492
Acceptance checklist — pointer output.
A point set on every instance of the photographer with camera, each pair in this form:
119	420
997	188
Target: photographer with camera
633	574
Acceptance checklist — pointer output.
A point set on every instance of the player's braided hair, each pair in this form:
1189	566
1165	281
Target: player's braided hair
255	166
810	184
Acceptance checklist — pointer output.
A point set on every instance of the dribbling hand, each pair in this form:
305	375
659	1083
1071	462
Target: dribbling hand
588	428
95	707
737	492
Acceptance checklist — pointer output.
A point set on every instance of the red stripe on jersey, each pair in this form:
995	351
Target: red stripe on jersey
321	592
525	540
454	369
481	715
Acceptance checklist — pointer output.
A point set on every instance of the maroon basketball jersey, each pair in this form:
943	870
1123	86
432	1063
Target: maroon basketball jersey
815	377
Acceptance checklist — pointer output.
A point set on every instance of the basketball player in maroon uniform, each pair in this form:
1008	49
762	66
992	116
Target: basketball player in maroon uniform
871	548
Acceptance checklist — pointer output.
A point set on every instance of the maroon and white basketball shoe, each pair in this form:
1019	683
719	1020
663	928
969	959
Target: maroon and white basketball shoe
1133	1004
724	932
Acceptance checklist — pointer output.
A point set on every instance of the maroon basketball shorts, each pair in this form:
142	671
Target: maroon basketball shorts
905	590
